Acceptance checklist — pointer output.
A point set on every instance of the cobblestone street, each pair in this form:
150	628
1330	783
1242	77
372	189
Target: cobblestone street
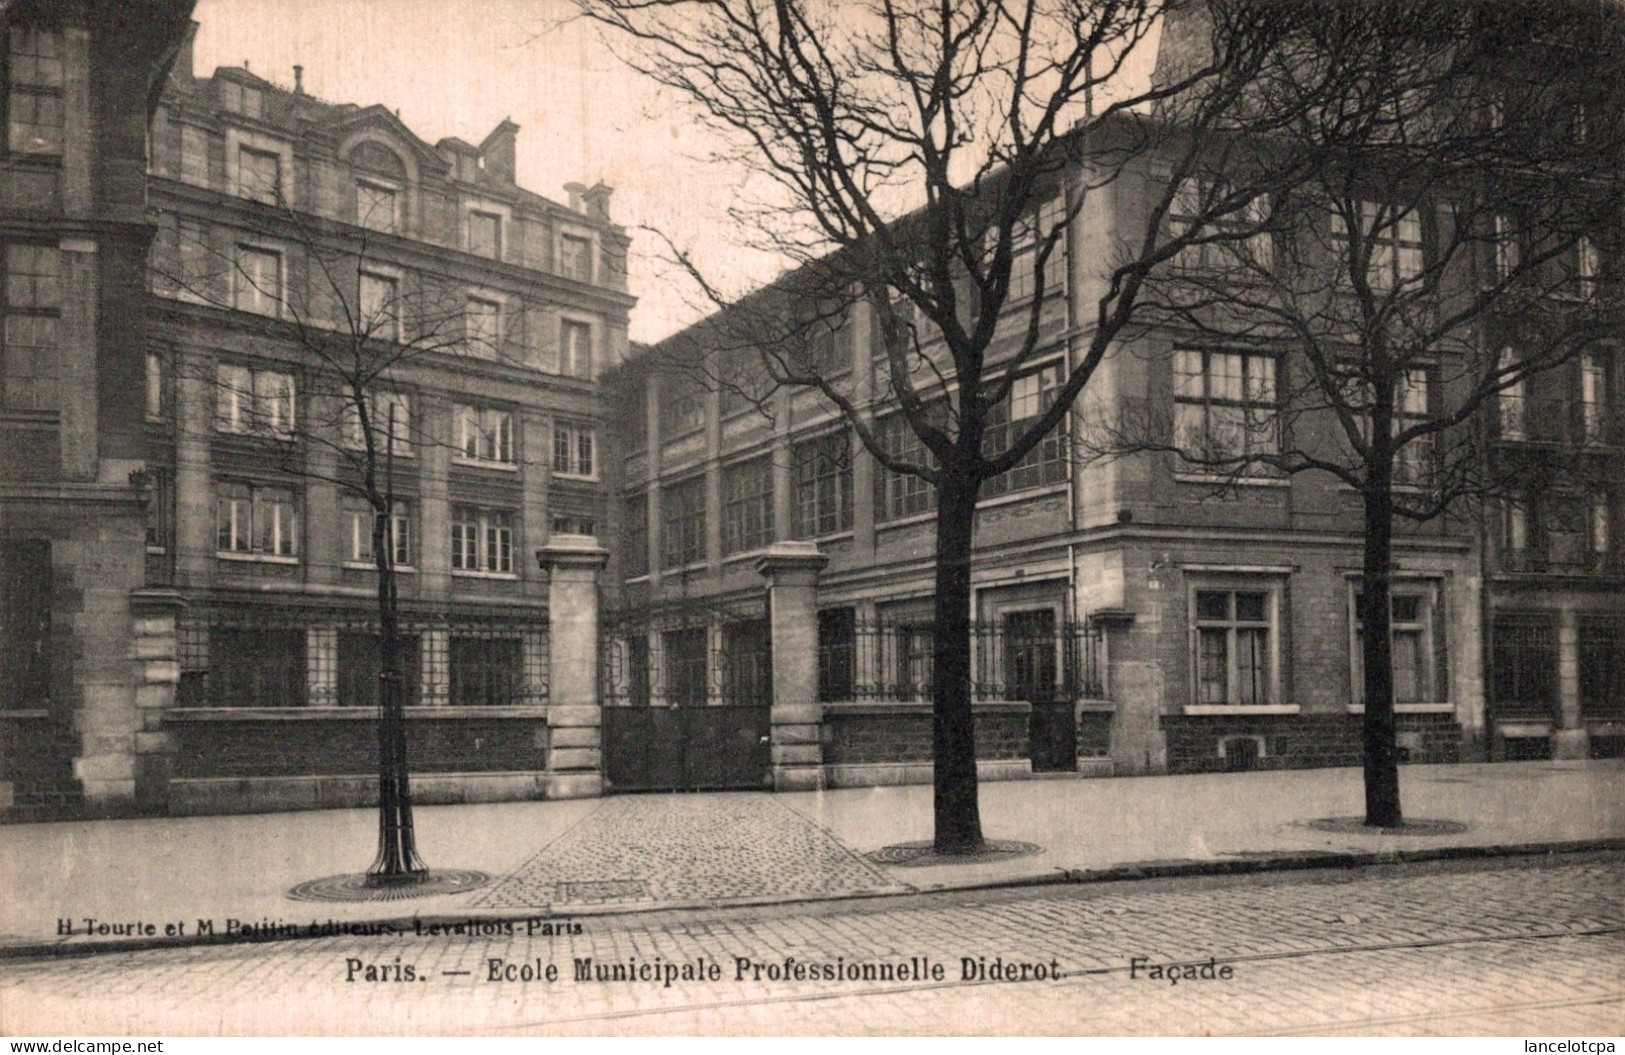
662	849
1514	946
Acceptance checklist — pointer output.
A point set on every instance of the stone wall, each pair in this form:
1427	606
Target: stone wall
1209	743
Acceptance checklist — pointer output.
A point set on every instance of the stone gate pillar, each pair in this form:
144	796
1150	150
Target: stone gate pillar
575	767
791	570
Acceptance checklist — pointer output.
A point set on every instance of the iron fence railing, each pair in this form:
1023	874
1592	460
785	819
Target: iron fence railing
686	666
1036	663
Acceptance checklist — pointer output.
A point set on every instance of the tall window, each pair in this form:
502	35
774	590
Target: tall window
1602	667
1225	405
1584	268
1413	463
1508	248
575	349
380	306
1395	244
901	494
1234	630
34	91
1235	241
747	505
1030	396
1031	233
194	156
33	307
682	407
1594	422
682	522
399	531
481	540
484	434
635	535
1600	524
375	207
573	453
156	403
258	280
1512	403
1412	615
253	401
485	234
823	482
1523	667
383	408
483	328
575	257
256	519
259	175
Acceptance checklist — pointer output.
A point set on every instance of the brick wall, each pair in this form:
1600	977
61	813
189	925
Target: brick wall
1298	741
868	737
343	745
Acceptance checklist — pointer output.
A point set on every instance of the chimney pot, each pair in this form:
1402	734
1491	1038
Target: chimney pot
298	79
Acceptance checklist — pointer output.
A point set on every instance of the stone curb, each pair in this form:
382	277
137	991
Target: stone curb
1263	861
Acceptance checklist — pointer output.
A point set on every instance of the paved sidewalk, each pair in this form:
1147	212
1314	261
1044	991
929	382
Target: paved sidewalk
638	852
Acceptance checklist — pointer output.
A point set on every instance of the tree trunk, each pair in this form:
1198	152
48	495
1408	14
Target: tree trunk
958	820
397	859
1380	755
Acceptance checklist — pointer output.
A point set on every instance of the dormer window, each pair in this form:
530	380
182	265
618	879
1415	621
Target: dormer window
240	99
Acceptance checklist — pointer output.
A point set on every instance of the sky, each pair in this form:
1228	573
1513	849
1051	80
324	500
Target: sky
459	68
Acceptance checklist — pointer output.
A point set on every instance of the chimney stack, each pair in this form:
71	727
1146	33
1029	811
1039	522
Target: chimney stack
298	79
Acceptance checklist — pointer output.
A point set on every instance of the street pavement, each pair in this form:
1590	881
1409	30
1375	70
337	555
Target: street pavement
1514	945
177	880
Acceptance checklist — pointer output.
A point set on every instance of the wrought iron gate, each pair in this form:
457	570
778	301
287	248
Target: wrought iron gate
684	713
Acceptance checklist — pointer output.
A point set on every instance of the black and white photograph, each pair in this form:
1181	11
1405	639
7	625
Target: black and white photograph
812	518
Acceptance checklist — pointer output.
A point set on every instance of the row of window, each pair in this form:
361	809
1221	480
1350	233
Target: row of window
483	324
257	169
1235	658
262	520
262	402
1393	239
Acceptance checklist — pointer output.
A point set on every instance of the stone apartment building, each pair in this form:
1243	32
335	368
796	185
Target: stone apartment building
481	314
1133	614
81	78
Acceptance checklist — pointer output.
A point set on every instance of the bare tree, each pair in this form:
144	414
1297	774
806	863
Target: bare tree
348	318
926	161
1445	248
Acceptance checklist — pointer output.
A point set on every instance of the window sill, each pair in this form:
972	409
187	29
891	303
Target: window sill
363	565
1198	709
684	569
498	576
254	558
588	478
677	437
476	463
1411	708
381	450
844	535
1025	494
1235	481
912	518
745	555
